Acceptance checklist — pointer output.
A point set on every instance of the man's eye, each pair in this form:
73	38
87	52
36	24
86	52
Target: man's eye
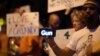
90	8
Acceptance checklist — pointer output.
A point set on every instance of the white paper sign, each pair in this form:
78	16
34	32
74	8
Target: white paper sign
57	5
62	36
24	25
61	39
75	3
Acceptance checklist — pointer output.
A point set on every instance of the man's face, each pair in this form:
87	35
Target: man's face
91	12
54	21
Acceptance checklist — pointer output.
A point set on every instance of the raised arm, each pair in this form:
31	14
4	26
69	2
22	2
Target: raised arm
58	51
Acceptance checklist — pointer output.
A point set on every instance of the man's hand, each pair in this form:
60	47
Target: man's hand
58	51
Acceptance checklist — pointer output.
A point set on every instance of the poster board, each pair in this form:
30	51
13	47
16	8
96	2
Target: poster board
22	25
61	39
57	5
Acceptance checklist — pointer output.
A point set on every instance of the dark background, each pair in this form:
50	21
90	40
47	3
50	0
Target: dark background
6	6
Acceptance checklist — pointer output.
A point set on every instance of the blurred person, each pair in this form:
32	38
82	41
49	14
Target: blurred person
28	45
92	11
78	20
4	42
20	9
79	43
54	21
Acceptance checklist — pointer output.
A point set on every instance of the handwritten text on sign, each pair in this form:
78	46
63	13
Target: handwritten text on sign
57	5
27	24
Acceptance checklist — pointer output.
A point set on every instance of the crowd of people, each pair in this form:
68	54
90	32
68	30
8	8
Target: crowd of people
82	42
85	41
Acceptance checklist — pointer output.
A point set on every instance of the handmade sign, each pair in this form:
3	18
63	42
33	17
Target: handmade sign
22	25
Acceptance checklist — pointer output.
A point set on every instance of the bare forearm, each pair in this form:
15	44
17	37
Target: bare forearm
58	51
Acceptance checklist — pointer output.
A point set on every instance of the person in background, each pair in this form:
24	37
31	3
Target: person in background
79	43
28	45
92	11
78	20
3	42
53	21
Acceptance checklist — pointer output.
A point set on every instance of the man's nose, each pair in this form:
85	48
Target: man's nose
88	10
